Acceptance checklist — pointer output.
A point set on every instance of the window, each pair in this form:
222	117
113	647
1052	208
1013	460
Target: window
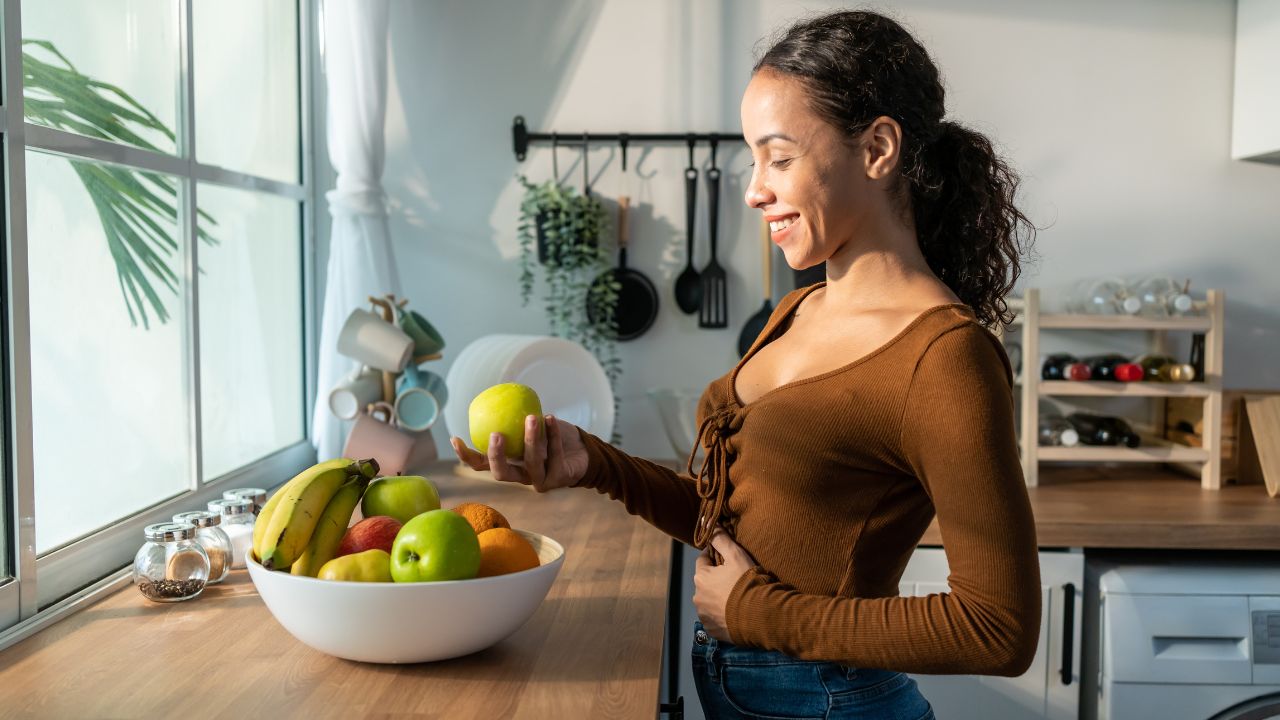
158	294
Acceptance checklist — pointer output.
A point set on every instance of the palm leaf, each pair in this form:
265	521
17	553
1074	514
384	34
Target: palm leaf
128	202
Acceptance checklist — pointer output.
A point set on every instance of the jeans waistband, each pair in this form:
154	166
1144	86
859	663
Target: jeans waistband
718	652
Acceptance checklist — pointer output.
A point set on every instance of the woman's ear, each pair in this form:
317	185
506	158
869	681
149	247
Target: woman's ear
883	147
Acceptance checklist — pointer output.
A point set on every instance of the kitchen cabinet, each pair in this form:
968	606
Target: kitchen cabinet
1255	117
1044	690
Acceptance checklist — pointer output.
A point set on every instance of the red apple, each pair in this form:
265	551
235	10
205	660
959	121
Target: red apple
377	532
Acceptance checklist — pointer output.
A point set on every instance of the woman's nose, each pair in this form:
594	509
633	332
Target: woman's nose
758	194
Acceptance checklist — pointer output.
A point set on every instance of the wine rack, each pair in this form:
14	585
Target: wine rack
1031	322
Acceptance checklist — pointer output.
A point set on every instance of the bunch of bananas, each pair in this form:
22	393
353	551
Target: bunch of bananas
301	525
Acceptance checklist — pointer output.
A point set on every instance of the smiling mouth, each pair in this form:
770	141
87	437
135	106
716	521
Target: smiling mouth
780	225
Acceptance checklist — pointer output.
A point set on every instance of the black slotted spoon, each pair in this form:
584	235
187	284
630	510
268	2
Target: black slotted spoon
714	312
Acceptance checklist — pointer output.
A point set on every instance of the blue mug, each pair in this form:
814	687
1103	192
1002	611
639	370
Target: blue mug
416	377
420	396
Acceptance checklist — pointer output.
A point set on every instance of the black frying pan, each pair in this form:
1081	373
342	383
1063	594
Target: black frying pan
637	305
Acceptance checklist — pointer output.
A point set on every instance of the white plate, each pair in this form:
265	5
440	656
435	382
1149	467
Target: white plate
569	382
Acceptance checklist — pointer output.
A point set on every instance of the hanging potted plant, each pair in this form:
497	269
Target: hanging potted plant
565	228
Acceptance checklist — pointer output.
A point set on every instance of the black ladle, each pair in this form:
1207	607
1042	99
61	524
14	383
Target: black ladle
689	283
755	324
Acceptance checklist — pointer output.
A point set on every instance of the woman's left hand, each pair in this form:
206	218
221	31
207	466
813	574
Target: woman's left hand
713	583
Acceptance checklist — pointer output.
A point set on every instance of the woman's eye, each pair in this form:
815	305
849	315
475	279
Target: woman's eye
781	164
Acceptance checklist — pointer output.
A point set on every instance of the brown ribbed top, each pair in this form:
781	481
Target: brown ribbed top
829	483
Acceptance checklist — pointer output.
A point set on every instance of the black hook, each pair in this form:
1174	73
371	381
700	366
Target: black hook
692	141
623	139
555	157
586	176
715	143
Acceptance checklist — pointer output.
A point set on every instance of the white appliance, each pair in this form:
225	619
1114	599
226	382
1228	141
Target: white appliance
1188	641
1050	688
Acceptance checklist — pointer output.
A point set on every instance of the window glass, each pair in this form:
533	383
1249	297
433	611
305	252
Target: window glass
246	86
108	387
251	322
86	64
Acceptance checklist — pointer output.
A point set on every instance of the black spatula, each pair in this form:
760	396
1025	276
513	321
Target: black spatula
715	291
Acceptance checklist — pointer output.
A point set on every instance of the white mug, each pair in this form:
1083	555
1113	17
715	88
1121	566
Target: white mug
355	391
375	342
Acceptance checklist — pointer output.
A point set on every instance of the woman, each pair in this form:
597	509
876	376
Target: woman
870	403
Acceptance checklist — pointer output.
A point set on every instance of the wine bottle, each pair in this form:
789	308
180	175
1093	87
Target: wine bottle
1197	356
1112	367
1056	430
1063	366
1103	430
1162	368
1162	296
1104	296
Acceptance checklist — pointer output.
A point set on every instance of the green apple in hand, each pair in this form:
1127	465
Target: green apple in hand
436	545
502	409
400	496
368	566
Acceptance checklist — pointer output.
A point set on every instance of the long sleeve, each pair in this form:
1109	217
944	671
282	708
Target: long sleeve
957	437
663	497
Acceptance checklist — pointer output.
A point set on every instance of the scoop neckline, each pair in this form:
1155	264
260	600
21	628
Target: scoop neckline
733	374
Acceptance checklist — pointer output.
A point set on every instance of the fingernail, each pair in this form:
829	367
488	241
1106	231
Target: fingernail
495	437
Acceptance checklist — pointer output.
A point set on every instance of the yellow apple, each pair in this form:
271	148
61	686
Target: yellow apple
503	408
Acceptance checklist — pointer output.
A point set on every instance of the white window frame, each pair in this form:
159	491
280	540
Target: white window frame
45	587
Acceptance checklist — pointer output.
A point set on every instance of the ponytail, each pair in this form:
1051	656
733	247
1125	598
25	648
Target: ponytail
970	231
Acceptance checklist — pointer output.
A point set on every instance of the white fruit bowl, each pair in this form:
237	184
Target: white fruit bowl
408	622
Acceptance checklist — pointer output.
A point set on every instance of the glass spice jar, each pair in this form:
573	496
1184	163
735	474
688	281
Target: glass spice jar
257	495
214	540
171	565
237	523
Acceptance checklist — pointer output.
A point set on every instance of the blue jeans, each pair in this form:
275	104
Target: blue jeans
741	682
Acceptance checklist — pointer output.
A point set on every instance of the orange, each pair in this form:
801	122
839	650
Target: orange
503	550
481	516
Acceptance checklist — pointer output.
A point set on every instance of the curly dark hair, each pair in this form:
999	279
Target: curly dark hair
857	66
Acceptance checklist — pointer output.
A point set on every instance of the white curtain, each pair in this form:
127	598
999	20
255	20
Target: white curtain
361	261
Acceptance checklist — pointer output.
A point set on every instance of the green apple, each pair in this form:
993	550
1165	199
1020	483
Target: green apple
436	545
503	408
400	497
368	566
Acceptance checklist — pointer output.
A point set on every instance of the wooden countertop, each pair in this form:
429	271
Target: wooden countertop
592	650
1133	507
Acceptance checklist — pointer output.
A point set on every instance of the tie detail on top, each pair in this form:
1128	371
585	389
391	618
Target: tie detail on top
715	435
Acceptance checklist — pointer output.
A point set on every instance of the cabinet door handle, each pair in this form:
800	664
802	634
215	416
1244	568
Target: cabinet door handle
1068	629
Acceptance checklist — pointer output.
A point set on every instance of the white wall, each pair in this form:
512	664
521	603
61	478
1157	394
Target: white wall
1117	114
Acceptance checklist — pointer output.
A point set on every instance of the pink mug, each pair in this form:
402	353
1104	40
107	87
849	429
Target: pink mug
370	437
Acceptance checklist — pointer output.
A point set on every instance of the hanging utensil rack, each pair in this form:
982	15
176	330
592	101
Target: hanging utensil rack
522	138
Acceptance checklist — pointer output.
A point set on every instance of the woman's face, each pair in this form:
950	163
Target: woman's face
811	185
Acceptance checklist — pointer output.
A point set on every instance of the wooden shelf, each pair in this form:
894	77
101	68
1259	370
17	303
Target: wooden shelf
1099	388
1146	453
1123	322
1033	389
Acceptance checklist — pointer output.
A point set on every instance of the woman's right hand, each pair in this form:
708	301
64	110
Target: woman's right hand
554	459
